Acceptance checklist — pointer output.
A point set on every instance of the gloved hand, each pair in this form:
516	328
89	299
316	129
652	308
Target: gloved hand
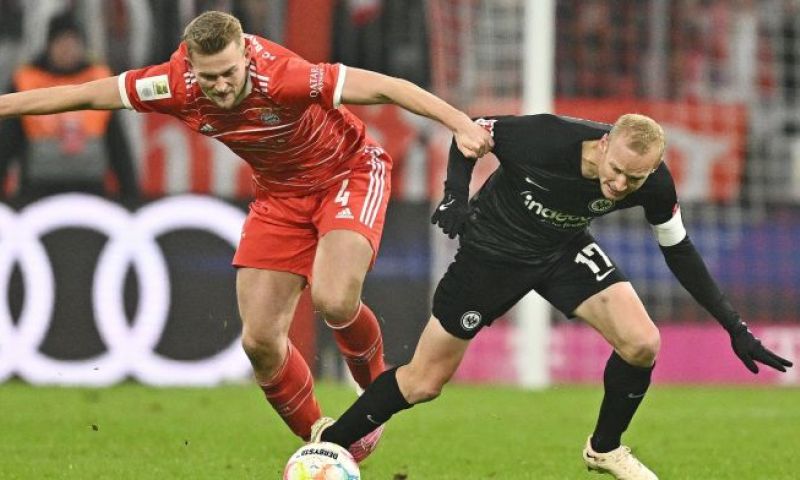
750	350
451	214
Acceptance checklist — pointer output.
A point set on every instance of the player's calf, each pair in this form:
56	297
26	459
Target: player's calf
360	342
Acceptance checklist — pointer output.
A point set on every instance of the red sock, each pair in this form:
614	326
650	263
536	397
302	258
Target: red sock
291	393
361	344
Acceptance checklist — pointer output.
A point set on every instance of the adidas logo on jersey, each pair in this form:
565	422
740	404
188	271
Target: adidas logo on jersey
345	213
207	128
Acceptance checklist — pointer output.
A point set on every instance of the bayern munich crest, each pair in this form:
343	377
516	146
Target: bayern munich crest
269	117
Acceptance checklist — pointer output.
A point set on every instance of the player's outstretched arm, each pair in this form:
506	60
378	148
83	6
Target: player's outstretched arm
452	212
102	94
366	88
750	350
690	270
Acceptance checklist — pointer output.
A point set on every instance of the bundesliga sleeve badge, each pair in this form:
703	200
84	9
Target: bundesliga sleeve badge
153	88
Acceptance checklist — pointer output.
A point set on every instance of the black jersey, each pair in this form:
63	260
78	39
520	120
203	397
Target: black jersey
537	200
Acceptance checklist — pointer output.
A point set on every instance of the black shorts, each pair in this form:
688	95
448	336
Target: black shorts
475	290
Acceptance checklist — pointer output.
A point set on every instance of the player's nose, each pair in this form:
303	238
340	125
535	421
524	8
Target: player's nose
220	85
620	183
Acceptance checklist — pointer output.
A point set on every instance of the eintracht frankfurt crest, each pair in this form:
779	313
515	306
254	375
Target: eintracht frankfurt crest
601	205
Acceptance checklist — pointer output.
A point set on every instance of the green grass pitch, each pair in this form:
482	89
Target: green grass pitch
135	432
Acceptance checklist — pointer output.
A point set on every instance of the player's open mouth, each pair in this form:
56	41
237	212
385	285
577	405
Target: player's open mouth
615	193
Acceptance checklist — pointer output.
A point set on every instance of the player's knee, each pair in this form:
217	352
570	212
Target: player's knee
642	350
337	306
424	391
422	385
266	352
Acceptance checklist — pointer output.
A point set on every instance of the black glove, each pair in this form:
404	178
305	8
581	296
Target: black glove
451	214
750	350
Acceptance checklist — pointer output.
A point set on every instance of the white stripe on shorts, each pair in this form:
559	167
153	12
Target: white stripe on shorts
369	210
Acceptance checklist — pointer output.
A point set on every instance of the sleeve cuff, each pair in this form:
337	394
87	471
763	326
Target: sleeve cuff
337	93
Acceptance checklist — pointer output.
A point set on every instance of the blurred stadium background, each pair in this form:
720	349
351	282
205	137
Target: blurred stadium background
84	307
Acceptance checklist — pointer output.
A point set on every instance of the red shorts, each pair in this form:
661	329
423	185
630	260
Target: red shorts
281	233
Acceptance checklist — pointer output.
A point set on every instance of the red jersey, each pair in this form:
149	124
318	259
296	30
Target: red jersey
291	128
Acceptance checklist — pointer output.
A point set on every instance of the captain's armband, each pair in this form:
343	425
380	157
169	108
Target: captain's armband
670	232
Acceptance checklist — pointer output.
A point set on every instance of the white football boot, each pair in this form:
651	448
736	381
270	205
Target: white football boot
318	427
360	449
619	462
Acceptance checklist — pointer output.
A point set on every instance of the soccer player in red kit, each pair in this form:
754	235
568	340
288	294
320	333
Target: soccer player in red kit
321	184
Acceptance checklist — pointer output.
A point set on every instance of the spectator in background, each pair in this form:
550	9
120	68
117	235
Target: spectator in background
789	51
69	151
597	61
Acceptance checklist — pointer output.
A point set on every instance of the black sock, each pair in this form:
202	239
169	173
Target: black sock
625	386
375	406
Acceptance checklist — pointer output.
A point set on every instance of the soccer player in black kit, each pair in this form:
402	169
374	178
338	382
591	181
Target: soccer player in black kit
527	229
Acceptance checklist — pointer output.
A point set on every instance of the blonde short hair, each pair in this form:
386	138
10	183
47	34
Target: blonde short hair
211	32
642	133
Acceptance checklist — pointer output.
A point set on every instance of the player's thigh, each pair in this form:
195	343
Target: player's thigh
341	263
586	283
267	300
475	291
358	203
619	315
581	271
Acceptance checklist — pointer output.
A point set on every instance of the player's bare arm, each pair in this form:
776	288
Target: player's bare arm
366	87
100	94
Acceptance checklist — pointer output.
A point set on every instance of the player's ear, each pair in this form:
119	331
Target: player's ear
658	164
189	59
248	50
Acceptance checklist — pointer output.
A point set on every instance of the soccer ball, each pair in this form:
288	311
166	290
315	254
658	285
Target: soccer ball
321	461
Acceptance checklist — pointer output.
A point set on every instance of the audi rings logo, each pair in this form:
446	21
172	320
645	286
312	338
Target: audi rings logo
130	346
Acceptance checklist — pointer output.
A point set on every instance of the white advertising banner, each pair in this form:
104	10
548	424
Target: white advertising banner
130	344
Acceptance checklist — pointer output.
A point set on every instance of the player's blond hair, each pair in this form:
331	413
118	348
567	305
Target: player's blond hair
212	31
641	132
